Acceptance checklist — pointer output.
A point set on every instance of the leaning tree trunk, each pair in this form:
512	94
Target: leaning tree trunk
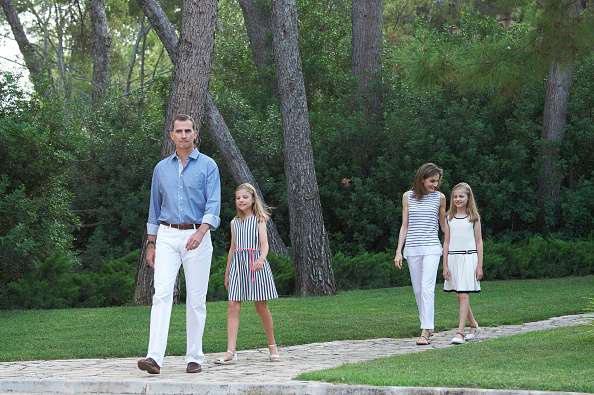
32	62
219	132
366	40
238	167
101	51
256	16
309	240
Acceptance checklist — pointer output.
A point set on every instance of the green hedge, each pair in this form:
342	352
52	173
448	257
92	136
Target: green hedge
56	284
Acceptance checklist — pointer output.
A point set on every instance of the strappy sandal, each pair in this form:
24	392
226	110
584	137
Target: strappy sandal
471	336
223	361
421	343
274	357
457	340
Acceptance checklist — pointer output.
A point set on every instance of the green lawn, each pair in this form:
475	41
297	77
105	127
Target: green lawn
123	331
552	360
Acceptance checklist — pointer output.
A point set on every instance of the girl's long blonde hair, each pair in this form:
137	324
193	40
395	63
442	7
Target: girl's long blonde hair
424	172
260	210
471	209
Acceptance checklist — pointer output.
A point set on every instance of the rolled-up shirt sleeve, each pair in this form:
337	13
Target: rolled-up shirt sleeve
212	209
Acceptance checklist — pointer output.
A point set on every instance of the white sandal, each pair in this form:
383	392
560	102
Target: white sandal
223	361
274	357
471	336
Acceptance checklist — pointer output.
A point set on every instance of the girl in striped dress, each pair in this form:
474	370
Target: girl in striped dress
463	256
248	276
423	208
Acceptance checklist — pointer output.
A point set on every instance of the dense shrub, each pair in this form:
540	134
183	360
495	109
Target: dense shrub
538	258
54	284
36	152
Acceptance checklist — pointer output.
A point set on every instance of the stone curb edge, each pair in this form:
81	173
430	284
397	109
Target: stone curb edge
177	387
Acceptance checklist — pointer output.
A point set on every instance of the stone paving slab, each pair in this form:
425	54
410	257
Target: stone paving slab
253	374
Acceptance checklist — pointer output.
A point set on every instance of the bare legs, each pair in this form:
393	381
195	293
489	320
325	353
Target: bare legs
266	317
465	313
233	325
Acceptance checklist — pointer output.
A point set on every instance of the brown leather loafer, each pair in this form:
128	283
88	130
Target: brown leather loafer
194	367
149	365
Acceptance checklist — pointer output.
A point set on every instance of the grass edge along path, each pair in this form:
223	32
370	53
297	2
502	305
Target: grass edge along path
549	360
118	332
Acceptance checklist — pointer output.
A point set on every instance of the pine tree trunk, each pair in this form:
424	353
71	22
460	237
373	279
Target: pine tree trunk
101	51
257	23
553	123
309	241
554	116
366	40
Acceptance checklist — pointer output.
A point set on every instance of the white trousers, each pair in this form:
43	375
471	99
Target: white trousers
170	254
423	274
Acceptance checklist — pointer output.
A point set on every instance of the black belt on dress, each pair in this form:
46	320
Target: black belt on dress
461	252
182	227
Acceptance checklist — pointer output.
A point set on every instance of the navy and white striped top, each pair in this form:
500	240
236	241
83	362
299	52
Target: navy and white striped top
423	224
245	283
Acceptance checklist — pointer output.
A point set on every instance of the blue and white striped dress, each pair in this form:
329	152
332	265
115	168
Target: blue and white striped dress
244	283
423	224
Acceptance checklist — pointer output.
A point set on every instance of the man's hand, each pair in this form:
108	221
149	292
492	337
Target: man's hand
195	240
150	255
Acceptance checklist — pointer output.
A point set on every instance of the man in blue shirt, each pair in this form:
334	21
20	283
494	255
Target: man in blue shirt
184	207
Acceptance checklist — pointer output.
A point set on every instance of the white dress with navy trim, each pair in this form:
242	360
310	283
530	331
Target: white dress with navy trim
462	258
245	283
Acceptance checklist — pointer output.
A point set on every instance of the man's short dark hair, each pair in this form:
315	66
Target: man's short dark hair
184	117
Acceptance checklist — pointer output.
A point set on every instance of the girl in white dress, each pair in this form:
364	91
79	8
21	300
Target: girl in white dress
248	276
423	211
463	256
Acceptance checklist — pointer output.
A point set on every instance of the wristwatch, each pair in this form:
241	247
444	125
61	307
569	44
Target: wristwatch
150	242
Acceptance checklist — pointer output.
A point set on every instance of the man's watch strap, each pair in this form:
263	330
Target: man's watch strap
150	242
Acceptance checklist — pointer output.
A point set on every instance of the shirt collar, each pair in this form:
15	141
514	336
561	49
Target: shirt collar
194	154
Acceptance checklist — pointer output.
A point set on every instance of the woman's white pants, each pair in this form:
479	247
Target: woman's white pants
423	274
170	254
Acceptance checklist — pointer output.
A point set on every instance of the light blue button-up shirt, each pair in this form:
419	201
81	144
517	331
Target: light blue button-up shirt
191	195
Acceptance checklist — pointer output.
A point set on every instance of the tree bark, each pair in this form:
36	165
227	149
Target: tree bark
366	40
101	51
554	117
31	60
257	23
238	167
309	241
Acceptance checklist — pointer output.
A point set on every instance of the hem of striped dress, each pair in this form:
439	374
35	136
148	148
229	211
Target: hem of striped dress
252	300
462	292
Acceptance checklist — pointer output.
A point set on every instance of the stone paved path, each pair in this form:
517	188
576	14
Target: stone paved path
252	374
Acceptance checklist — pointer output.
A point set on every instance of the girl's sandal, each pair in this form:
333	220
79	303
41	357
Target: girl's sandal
223	361
273	357
471	336
458	340
423	343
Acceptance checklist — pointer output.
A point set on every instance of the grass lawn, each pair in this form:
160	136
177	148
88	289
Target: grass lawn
552	360
124	331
